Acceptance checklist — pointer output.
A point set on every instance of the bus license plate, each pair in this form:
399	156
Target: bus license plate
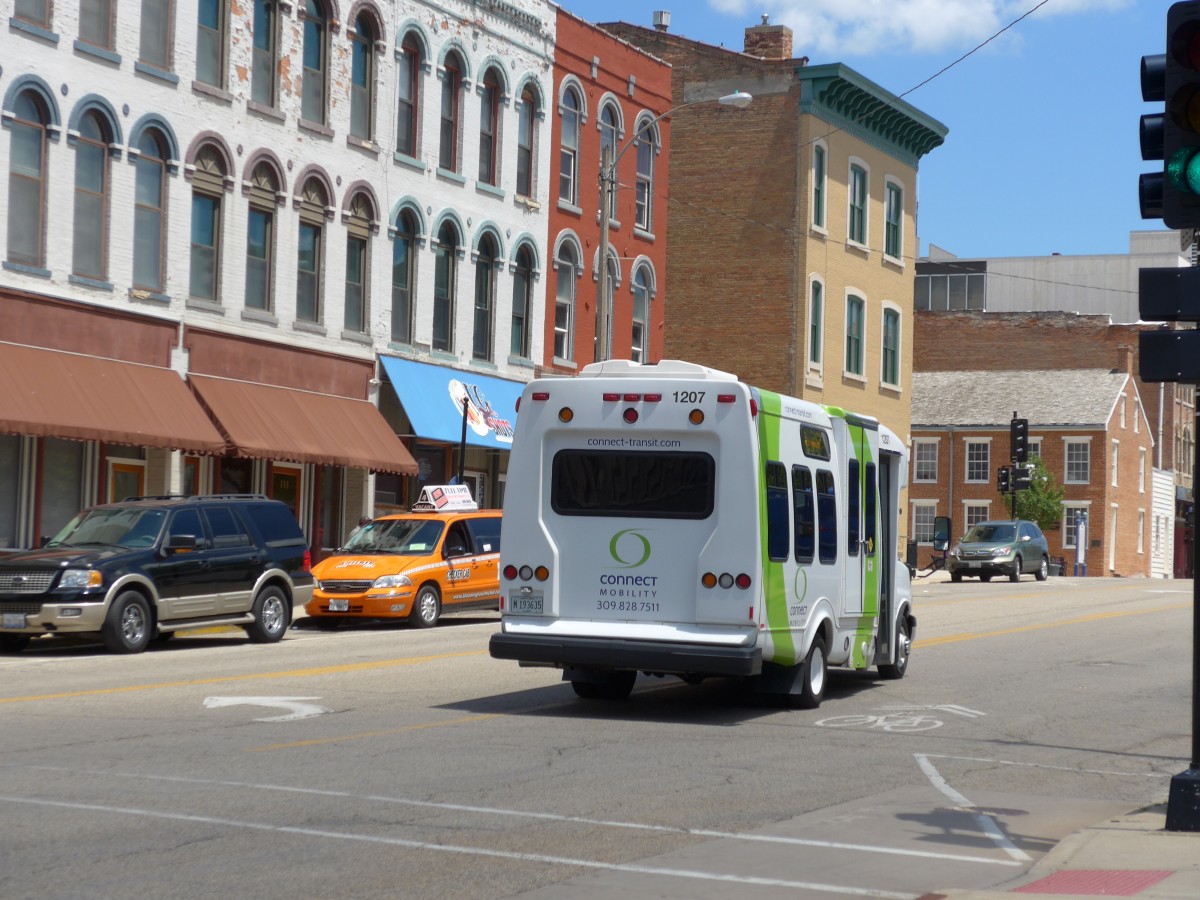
339	605
525	604
14	620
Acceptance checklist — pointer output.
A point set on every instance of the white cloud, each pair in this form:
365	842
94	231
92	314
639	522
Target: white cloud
825	29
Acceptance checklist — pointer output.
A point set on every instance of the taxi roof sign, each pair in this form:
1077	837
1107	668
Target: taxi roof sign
445	498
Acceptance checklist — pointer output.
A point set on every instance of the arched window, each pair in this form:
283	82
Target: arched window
403	277
647	144
889	362
485	299
608	140
816	324
264	77
855	330
149	211
522	303
489	124
208	189
92	187
568	154
444	276
310	254
567	265
358	263
27	180
451	85
526	122
316	63
260	239
640	346
408	74
608	306
362	79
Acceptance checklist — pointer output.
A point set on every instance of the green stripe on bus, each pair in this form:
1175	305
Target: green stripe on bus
774	583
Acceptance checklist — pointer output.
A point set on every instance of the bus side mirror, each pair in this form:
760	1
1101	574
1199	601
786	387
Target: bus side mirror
941	533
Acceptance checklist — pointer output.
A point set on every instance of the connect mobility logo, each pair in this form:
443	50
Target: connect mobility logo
630	549
631	552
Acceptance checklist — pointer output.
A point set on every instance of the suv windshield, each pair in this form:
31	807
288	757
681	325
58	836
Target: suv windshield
408	537
121	527
983	534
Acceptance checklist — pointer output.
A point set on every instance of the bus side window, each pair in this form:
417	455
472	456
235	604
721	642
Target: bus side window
870	510
804	514
853	493
778	537
827	542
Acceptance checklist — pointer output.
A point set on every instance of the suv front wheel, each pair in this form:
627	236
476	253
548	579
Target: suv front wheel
270	616
128	626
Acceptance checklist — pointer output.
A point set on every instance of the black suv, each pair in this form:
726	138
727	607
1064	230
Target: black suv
151	566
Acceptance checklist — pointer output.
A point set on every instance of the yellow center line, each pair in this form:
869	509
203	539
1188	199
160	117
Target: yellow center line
258	676
1018	629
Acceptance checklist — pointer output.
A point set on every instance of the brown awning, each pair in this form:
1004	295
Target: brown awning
261	421
49	393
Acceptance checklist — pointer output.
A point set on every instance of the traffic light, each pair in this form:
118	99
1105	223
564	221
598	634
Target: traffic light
1173	135
1004	479
1018	438
1169	295
1022	478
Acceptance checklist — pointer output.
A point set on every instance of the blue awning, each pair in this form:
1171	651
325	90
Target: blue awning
432	397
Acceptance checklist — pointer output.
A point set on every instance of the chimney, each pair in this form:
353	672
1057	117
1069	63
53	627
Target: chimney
769	41
1125	358
662	20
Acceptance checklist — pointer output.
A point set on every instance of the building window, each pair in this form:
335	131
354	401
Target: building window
444	277
27	180
260	239
567	265
979	461
1121	408
156	33
893	232
403	266
976	513
358	263
485	299
608	139
90	239
925	461
1071	518
96	22
854	335
818	186
923	515
489	123
208	187
647	144
945	292
362	79
889	367
212	37
526	120
36	12
451	84
1035	446
1078	466
149	212
568	154
522	303
310	255
641	312
1142	470
316	58
408	73
1116	446
264	78
816	318
857	227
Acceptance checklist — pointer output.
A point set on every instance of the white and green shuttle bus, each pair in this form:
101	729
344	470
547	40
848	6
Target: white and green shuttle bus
671	520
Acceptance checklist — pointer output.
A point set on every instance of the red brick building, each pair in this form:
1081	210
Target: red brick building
606	91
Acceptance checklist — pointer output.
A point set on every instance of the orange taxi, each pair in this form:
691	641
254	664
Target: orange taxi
443	555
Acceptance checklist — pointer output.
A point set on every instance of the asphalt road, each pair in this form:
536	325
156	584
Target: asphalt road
386	762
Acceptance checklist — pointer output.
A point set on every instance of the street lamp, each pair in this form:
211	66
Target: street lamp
608	186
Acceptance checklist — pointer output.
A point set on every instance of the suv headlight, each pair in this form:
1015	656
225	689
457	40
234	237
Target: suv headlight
1002	551
392	581
81	578
956	553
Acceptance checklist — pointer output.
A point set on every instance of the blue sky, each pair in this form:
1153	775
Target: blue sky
1042	155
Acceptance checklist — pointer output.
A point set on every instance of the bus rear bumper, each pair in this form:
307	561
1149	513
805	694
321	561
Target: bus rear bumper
658	657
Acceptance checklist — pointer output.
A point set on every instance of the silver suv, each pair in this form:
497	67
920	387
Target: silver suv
1011	547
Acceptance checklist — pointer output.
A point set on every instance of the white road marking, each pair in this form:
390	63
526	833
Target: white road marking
985	822
470	851
1027	765
544	816
300	709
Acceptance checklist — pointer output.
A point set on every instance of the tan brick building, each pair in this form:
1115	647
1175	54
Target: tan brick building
792	223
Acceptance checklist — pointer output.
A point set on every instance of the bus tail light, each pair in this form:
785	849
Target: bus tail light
525	573
696	416
566	414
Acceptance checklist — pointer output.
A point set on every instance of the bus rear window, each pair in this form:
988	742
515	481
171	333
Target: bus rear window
669	485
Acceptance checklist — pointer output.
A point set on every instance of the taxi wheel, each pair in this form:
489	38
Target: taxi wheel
427	608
